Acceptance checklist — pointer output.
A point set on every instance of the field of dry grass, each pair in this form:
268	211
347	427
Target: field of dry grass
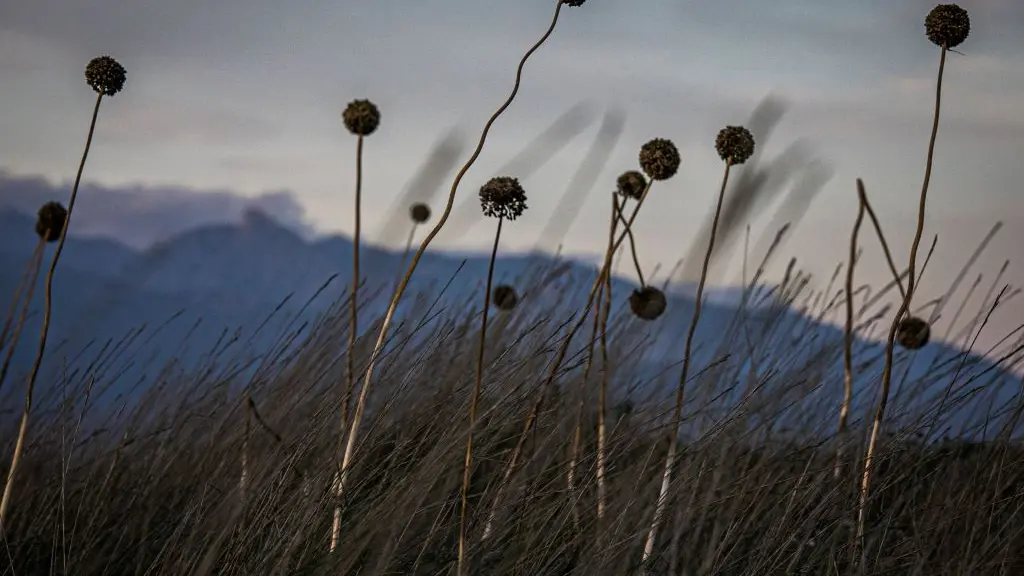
509	435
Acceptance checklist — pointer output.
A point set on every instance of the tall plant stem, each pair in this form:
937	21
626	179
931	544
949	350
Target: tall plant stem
353	427
19	445
473	401
666	478
904	307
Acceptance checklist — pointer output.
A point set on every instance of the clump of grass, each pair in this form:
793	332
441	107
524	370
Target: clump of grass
106	77
946	26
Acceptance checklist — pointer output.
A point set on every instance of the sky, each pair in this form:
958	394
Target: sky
242	99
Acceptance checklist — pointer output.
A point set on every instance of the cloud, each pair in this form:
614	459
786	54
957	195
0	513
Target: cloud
141	216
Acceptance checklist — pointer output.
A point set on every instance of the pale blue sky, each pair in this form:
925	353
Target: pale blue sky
246	95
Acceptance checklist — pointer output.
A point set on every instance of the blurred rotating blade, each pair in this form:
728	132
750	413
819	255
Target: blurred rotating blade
583	181
533	157
423	187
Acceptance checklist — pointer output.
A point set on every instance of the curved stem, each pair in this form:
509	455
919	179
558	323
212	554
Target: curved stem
396	298
844	410
677	414
474	399
904	306
32	274
19	444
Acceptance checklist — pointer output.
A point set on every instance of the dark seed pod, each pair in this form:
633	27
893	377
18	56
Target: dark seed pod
50	221
947	25
647	303
419	212
503	197
913	333
735	144
659	159
361	117
631	184
504	297
105	75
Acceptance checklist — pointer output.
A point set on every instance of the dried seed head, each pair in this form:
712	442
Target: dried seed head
624	408
659	159
573	3
735	144
913	333
504	297
419	213
631	184
105	75
947	25
503	197
647	303
50	221
361	117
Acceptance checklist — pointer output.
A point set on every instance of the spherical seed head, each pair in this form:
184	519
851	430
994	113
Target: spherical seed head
647	303
659	159
361	117
947	25
503	197
504	297
105	75
50	221
419	212
735	144
631	184
913	333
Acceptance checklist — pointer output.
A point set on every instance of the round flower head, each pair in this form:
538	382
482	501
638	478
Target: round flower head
50	221
105	75
947	25
504	297
419	213
361	117
503	197
913	333
647	303
631	184
659	159
735	144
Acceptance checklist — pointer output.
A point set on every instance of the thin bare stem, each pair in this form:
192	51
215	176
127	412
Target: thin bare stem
844	410
396	298
33	270
19	445
666	479
904	307
474	399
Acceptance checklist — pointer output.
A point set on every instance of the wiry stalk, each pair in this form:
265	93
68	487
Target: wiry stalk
30	269
473	401
531	418
666	478
844	410
19	444
904	307
32	274
396	298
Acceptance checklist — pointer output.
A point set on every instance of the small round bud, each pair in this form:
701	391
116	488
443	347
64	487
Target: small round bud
631	184
913	333
503	197
947	25
105	75
361	117
50	221
419	212
504	297
647	303
659	159
735	144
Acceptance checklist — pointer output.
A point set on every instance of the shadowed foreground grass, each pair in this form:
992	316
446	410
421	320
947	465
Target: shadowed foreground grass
156	489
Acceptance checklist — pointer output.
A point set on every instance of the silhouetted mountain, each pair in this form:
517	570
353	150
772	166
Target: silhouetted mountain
230	277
